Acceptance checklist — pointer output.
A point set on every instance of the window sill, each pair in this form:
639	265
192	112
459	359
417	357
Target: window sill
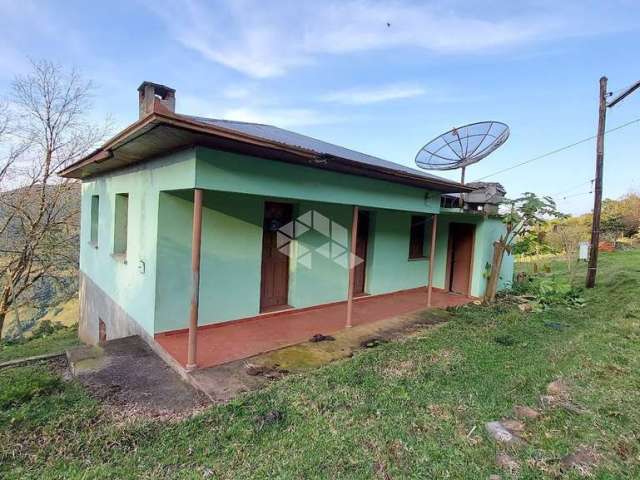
120	257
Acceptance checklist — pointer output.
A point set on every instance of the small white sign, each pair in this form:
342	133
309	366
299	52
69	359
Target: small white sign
583	252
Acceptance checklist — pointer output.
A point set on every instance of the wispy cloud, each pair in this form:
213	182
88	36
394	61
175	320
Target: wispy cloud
235	92
268	38
367	95
257	107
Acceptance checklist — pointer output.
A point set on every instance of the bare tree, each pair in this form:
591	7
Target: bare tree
44	129
565	237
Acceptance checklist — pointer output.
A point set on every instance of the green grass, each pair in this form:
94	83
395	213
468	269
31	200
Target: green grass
55	342
401	410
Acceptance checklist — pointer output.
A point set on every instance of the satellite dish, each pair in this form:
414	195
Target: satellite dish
462	146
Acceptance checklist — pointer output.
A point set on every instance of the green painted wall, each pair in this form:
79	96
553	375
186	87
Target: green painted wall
230	258
243	174
153	285
487	231
129	284
389	266
232	245
318	264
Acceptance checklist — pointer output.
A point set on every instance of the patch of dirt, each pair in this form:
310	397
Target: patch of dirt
558	397
268	418
373	342
507	463
524	412
445	356
514	426
130	380
272	373
582	460
60	365
399	369
558	388
318	337
625	448
438	411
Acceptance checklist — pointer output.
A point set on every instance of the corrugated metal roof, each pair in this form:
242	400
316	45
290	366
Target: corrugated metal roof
287	137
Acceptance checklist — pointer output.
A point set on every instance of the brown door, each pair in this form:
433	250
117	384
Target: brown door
362	242
460	257
274	286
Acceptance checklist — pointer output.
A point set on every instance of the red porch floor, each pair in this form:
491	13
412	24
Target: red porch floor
218	344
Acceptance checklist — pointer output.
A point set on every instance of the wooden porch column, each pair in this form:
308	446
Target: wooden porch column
432	254
196	242
352	263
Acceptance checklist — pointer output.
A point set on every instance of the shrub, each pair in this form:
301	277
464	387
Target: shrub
550	290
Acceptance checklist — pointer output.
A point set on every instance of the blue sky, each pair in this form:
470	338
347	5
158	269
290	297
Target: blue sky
336	71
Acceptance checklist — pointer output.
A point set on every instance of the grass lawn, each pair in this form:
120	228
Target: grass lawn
410	409
55	342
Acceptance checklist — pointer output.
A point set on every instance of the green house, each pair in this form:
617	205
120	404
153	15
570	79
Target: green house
215	240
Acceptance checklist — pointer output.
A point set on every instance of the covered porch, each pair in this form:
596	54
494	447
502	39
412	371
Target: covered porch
225	342
279	253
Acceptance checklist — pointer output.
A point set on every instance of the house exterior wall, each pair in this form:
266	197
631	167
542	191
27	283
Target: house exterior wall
390	268
488	230
232	246
230	266
152	288
236	173
129	284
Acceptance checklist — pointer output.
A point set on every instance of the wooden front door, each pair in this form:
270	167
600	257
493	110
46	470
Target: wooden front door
274	286
362	243
460	257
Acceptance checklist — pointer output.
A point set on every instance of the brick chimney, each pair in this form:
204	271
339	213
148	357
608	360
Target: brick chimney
153	97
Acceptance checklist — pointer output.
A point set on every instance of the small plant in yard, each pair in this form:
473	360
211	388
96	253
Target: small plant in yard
543	290
525	214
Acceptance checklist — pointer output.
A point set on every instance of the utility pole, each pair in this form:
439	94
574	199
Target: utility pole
597	198
597	201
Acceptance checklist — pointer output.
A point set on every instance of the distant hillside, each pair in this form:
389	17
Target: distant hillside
65	313
53	297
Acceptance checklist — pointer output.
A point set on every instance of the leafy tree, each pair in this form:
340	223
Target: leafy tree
524	215
532	243
621	217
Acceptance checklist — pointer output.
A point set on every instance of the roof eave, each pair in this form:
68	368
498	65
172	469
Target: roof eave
157	118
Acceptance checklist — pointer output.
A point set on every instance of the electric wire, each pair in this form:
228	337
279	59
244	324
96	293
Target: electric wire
615	92
577	194
558	150
572	188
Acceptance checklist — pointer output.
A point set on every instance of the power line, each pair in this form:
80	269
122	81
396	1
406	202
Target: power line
572	188
577	194
611	94
558	150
